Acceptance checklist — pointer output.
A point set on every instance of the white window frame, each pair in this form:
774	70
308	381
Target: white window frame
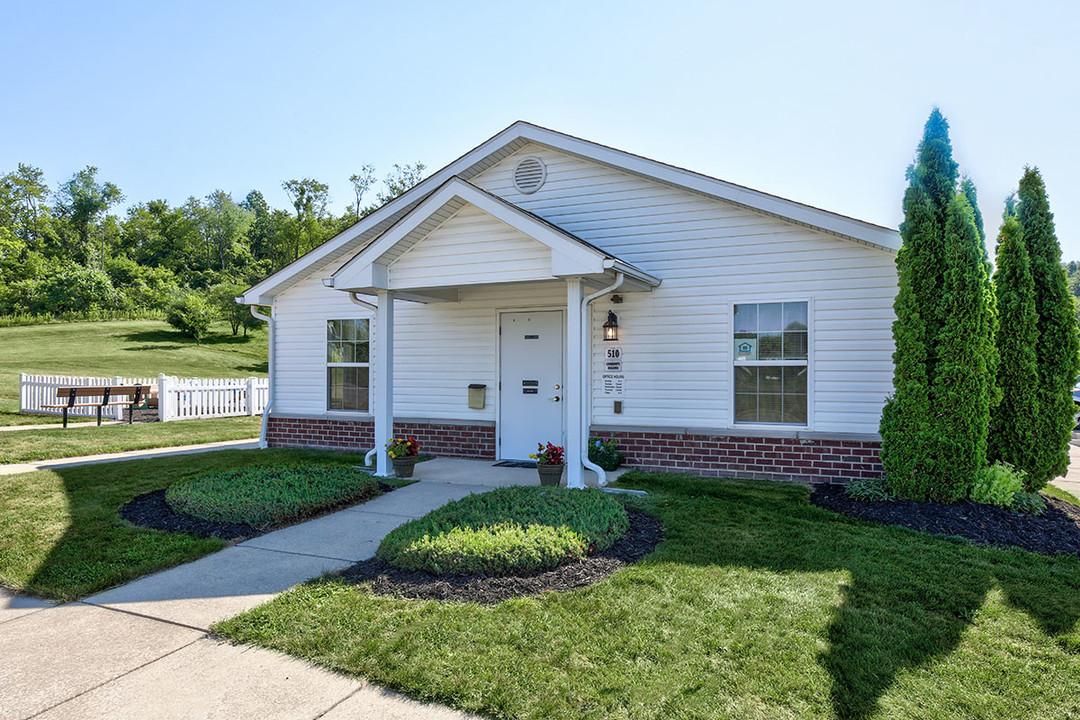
327	364
808	362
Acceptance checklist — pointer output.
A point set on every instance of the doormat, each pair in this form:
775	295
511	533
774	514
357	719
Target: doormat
516	464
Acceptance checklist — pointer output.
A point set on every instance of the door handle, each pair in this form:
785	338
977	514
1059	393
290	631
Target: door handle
556	399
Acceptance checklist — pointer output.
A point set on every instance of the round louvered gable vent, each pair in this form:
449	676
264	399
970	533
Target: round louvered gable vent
529	175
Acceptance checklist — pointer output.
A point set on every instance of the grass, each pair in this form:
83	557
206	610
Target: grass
270	494
757	604
28	445
131	348
61	537
1064	495
507	531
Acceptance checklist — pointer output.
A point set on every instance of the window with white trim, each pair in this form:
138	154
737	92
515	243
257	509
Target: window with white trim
771	344
347	365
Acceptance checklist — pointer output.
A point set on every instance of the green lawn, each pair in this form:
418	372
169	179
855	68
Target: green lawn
61	537
27	445
756	605
131	348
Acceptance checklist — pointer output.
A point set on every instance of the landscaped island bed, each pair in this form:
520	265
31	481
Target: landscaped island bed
756	604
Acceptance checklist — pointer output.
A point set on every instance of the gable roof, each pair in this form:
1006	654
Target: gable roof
520	134
570	255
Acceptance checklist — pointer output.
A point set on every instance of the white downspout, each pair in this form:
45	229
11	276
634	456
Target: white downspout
373	308
269	320
586	374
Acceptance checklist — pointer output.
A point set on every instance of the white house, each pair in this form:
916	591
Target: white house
753	332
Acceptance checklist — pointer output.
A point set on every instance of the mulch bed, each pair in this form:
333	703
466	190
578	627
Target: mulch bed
1055	532
151	511
641	539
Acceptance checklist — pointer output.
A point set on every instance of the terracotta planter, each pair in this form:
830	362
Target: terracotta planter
403	466
550	475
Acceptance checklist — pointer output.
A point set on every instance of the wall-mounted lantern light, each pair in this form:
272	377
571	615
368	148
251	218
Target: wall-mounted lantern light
611	327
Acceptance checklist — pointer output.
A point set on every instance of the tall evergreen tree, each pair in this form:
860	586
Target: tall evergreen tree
908	420
961	390
967	187
1013	423
1058	344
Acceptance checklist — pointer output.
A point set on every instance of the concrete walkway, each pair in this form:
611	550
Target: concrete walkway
142	650
16	468
1071	481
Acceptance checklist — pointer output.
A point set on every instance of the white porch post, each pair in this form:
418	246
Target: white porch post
574	392
384	381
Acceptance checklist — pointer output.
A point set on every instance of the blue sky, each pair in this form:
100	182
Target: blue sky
819	102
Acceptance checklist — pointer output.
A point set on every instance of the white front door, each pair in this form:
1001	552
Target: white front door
531	381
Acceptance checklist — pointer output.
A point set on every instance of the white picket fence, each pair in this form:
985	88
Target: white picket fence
187	398
178	398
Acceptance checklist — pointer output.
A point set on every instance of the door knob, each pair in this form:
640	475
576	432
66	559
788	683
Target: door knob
556	399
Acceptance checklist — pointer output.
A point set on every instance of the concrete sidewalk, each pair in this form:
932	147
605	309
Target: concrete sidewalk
1071	481
16	468
142	650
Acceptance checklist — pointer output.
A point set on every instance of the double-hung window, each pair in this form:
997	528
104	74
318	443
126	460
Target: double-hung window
347	365
771	343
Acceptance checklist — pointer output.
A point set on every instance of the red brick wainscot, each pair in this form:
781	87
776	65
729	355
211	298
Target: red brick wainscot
441	439
751	456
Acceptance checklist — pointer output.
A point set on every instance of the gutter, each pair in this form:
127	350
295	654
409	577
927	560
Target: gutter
269	320
586	360
373	308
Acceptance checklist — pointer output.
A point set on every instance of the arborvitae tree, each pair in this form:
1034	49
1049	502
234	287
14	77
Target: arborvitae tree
1058	344
1013	423
908	420
967	187
961	390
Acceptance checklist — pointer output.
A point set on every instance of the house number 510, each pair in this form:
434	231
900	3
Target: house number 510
613	353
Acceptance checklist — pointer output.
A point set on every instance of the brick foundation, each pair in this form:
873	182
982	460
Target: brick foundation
751	456
445	440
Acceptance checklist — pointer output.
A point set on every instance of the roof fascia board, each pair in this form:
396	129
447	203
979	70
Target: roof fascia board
754	199
271	285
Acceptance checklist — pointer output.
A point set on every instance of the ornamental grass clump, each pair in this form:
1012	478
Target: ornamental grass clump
874	489
510	531
265	495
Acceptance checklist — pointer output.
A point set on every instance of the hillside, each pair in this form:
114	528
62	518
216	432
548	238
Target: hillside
140	348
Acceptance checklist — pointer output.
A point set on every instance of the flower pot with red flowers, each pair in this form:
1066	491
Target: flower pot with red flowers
550	463
403	452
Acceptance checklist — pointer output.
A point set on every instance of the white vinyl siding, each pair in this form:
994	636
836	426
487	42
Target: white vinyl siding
470	248
676	340
708	253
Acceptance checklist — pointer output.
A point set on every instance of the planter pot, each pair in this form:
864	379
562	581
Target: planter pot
403	466
550	474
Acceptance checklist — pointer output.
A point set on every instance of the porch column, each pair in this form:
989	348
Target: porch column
574	392
384	381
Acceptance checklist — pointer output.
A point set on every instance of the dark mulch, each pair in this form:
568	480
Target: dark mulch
151	511
643	536
1055	532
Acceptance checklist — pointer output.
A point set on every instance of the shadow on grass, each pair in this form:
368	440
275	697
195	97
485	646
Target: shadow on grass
69	540
157	337
911	596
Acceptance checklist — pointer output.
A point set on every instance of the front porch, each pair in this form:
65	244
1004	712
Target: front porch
464	238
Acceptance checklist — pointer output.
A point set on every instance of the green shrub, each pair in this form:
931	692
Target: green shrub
870	490
997	485
510	531
605	453
1028	502
269	494
191	313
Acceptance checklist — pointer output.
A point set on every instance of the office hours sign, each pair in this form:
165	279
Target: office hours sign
612	378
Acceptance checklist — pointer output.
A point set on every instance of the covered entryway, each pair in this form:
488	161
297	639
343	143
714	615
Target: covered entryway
463	237
531	382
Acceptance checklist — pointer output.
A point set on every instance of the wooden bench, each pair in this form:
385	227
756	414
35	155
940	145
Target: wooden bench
109	395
